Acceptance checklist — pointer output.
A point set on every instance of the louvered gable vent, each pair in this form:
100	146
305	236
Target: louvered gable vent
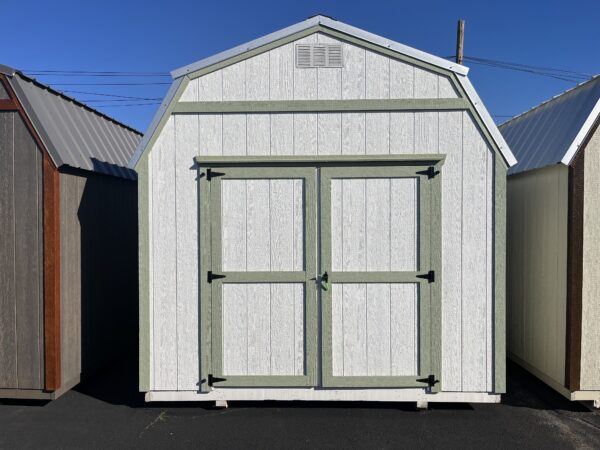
318	55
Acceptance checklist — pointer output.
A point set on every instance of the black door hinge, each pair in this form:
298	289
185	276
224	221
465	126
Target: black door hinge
210	174
213	276
430	172
212	379
429	276
430	380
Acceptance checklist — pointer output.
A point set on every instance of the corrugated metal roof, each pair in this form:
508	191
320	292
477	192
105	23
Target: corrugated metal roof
327	22
75	134
552	132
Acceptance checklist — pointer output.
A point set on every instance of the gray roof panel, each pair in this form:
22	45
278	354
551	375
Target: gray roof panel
75	134
552	132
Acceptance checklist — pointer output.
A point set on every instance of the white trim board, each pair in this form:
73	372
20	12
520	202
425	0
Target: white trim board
582	135
369	395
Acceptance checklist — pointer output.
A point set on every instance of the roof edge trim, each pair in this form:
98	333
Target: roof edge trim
156	120
582	134
489	123
327	23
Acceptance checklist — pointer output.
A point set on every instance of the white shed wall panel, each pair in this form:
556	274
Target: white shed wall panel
263	329
375	329
274	76
380	218
262	225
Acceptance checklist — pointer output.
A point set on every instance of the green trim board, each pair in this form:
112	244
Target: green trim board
429	320
145	356
499	334
312	106
316	161
306	277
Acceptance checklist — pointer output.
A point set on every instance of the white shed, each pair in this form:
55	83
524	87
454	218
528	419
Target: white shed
322	217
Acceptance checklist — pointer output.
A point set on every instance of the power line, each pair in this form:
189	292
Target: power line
111	84
99	73
111	95
130	104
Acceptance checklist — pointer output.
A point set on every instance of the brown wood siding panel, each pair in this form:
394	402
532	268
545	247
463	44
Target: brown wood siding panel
27	208
51	275
71	188
574	272
99	270
8	332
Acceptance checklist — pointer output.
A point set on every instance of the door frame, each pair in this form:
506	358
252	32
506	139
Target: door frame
315	376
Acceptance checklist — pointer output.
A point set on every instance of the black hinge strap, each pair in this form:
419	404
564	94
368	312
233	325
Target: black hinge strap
430	172
213	276
430	380
210	174
429	276
212	379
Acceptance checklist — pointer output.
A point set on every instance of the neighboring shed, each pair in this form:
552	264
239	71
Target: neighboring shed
553	234
68	224
321	217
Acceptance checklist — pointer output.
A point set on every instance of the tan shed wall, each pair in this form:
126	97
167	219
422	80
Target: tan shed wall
590	327
537	269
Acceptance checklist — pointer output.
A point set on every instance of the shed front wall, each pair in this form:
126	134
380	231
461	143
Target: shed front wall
537	269
590	301
21	257
467	193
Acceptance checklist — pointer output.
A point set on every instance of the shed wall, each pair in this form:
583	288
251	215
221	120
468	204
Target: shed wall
21	253
537	269
590	327
98	270
468	180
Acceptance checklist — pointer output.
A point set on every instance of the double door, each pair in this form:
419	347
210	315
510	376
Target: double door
319	275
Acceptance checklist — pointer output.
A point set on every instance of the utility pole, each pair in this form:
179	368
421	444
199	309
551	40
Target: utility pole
460	41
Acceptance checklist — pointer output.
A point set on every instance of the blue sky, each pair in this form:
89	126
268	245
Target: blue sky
161	36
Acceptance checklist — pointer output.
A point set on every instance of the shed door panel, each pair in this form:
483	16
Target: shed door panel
264	299
375	231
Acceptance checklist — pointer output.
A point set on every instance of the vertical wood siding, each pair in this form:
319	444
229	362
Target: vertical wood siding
537	268
21	323
590	302
467	181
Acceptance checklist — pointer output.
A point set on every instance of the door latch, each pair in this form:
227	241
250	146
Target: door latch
324	280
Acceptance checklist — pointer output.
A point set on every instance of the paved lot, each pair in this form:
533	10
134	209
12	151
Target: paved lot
103	413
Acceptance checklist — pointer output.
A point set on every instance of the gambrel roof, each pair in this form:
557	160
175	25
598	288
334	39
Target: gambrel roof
323	24
551	132
74	134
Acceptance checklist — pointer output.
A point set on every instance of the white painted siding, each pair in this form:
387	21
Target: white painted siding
274	76
467	182
263	329
375	329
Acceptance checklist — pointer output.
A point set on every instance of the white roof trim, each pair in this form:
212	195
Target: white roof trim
139	151
487	120
583	133
329	23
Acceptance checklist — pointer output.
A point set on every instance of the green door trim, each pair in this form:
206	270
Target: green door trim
210	210
429	292
314	161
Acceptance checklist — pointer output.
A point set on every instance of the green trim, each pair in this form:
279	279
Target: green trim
212	206
312	106
205	331
144	277
429	300
315	161
435	249
499	334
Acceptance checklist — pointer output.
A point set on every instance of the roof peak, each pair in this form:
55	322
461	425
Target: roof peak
325	22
